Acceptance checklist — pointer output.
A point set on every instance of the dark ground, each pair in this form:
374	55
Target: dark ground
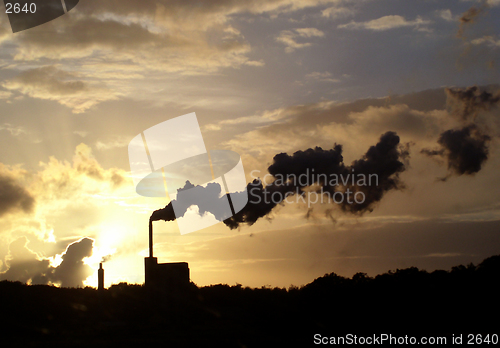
408	301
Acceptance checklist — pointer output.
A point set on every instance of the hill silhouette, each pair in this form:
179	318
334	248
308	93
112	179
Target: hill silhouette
405	301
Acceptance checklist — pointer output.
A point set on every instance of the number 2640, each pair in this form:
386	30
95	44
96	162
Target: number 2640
16	8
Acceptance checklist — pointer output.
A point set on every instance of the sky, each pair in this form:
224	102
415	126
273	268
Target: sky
264	78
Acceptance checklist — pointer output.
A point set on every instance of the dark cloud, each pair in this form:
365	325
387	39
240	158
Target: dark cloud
466	149
72	271
24	265
14	197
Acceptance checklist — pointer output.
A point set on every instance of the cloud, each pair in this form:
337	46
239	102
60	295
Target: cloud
203	11
72	271
61	181
5	94
255	63
13	130
113	144
21	133
73	198
322	76
384	23
190	38
335	12
488	40
13	196
82	134
23	264
53	84
289	38
264	118
301	126
28	267
446	15
5	30
309	32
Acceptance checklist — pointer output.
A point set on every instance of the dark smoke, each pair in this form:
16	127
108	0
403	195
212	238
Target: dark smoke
311	169
261	202
469	15
106	258
468	18
465	103
385	159
208	199
466	149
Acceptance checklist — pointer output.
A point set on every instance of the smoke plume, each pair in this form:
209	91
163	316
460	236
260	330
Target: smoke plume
313	170
465	149
317	167
468	18
106	258
466	103
208	199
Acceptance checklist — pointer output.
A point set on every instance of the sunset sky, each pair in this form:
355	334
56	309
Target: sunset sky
263	77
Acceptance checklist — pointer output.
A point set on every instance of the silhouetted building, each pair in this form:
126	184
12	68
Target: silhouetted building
166	276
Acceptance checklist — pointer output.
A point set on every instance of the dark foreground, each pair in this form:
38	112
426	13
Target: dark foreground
404	302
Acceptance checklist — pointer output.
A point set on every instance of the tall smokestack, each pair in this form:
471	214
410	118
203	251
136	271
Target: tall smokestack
100	278
150	263
150	238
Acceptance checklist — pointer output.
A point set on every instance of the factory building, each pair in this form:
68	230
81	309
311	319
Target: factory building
164	276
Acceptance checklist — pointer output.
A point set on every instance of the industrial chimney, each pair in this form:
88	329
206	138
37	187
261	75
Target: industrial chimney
167	276
100	278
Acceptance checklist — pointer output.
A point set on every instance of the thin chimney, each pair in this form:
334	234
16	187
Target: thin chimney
100	278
